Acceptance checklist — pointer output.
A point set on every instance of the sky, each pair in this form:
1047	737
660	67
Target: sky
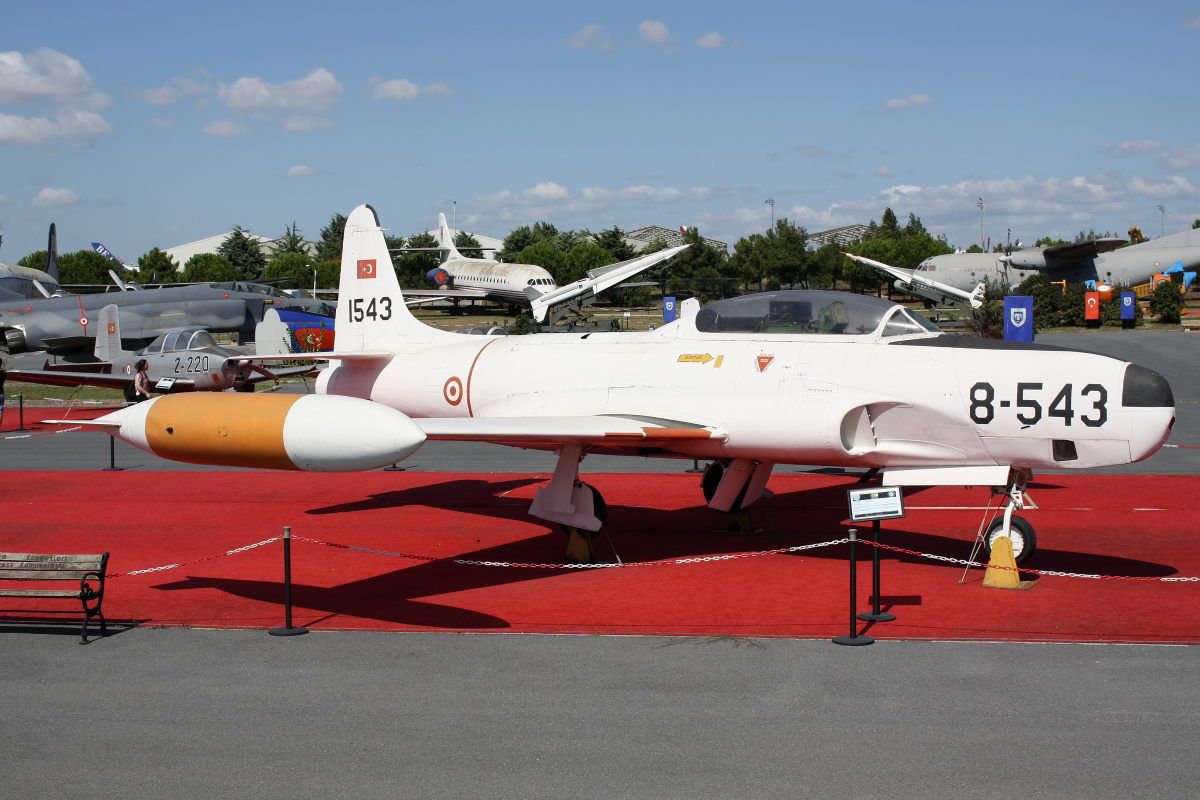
156	124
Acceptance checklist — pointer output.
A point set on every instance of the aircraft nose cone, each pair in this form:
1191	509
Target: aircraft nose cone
1145	388
1150	393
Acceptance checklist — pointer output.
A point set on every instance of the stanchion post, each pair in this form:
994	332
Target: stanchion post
112	456
855	638
287	629
21	411
875	615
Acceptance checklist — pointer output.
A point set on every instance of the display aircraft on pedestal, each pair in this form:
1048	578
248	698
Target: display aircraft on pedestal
787	377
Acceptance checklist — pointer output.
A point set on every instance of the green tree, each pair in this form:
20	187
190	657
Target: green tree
157	267
747	260
209	268
583	257
914	227
517	240
35	260
613	240
1047	299
83	267
1050	241
243	252
1196	224
889	226
697	270
296	266
411	268
548	257
1166	302
468	245
785	253
329	274
330	246
987	321
290	242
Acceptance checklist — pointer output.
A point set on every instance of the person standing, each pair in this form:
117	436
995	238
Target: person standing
141	382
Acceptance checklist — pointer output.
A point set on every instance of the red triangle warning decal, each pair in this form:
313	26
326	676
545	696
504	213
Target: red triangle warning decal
764	362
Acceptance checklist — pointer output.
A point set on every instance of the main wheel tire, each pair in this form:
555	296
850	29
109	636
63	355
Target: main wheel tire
599	508
1024	540
711	479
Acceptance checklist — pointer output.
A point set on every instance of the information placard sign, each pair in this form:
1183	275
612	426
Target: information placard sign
881	502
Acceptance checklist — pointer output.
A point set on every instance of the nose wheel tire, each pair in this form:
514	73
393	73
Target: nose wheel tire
1024	540
599	508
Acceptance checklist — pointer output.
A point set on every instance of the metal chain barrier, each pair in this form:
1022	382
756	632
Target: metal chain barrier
1042	572
195	560
364	549
41	433
657	563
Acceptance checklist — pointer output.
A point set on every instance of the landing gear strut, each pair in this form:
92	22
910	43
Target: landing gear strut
1017	529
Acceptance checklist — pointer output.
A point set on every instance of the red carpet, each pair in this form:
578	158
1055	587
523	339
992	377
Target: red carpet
34	416
1113	525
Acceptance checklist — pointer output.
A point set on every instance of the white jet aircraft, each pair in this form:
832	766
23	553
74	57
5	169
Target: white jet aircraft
908	280
786	377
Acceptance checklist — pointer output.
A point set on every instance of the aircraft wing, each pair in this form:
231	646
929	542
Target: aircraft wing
925	287
436	294
1070	252
609	431
103	380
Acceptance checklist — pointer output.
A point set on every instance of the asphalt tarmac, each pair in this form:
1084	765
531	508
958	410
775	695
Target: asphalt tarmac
193	713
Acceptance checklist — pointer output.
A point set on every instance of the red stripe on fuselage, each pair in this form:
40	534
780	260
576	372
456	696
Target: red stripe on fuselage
472	372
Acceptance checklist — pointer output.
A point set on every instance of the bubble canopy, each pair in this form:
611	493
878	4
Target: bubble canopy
807	312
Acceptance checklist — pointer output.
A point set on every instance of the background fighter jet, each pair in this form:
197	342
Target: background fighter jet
186	360
22	282
66	324
1093	260
794	377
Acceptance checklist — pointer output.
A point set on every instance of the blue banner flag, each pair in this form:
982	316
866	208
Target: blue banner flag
1018	319
668	309
1128	311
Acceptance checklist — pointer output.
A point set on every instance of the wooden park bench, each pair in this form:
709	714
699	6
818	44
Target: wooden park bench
87	569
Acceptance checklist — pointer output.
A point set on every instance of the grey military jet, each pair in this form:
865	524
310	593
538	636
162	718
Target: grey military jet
17	283
1093	260
70	324
184	360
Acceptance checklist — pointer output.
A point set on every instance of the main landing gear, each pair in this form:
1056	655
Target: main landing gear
732	486
578	508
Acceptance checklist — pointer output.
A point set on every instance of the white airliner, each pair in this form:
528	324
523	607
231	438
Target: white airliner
460	277
787	377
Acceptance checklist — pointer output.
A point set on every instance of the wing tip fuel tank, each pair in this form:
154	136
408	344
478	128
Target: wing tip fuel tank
312	433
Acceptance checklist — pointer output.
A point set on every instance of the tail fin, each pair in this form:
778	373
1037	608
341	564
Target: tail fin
446	238
371	314
52	254
108	334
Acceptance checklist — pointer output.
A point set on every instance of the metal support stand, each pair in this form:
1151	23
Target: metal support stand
112	456
855	638
695	466
876	615
287	629
395	468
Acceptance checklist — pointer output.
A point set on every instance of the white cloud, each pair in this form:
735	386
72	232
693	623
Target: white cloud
1184	158
54	198
159	122
884	172
317	91
300	170
304	122
5	200
225	129
912	100
1191	23
1134	147
654	32
1167	188
74	125
172	91
406	91
713	40
48	76
591	37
